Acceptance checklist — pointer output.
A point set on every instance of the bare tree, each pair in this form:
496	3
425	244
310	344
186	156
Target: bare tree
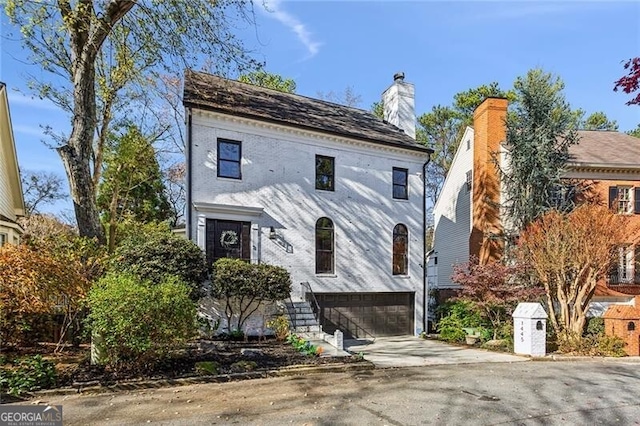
41	188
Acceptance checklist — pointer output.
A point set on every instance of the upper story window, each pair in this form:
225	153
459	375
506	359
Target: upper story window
325	173
626	268
400	250
400	183
3	239
624	199
324	246
229	157
469	180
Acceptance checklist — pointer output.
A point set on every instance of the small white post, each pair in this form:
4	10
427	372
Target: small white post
338	340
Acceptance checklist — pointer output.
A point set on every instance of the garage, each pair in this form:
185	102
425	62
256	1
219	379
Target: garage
363	315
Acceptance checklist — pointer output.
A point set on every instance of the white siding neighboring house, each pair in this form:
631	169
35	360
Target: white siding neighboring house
452	215
11	198
309	185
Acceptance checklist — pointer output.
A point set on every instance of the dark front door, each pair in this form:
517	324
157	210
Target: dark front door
228	238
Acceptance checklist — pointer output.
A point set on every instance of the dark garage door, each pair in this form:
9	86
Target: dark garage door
366	314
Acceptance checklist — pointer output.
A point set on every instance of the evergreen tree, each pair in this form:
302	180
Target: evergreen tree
131	185
540	130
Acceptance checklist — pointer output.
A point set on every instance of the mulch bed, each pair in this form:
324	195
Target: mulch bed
267	355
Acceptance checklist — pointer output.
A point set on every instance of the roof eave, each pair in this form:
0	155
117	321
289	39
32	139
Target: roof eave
416	148
601	166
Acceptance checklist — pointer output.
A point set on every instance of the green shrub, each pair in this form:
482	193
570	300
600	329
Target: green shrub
450	329
304	346
595	326
155	252
28	374
235	335
244	287
207	368
455	316
138	321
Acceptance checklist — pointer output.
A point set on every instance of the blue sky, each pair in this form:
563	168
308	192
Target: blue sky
443	48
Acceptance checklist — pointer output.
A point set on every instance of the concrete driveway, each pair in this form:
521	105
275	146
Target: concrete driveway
412	351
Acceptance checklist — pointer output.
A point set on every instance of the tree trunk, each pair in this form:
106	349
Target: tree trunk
82	193
76	155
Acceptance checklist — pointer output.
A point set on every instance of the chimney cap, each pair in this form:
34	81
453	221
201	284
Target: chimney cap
398	76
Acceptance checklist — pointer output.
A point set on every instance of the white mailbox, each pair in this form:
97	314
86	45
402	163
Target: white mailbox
530	329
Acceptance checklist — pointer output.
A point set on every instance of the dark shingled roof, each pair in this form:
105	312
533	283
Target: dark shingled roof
209	92
605	149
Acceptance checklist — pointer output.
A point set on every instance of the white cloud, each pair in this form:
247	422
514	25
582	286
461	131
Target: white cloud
274	9
16	98
28	130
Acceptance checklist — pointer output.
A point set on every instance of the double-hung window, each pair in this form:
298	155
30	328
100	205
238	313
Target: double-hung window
626	270
624	199
229	158
400	183
325	173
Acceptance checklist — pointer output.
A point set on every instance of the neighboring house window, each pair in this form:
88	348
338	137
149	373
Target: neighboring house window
624	199
324	246
400	183
469	180
400	250
325	173
626	270
3	239
229	156
631	326
227	238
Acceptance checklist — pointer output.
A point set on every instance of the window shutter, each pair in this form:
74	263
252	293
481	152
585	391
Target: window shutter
636	199
636	265
613	195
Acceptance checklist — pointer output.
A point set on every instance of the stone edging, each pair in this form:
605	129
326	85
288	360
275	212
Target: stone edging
552	357
91	388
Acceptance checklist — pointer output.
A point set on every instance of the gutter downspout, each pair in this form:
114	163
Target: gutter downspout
188	174
424	244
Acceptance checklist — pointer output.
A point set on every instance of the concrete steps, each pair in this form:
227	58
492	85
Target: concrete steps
302	318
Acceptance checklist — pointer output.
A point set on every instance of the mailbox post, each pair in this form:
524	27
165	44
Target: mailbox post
530	329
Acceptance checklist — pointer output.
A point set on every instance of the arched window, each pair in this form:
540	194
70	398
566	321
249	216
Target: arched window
324	246
400	250
631	326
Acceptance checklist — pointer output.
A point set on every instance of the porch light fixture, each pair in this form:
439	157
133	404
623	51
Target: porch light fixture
272	233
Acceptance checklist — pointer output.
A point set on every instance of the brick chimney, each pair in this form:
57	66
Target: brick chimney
486	240
399	105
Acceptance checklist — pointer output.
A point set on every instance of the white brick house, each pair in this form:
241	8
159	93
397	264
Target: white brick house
321	189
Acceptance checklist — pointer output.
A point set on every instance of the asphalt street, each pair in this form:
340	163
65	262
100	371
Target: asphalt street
520	393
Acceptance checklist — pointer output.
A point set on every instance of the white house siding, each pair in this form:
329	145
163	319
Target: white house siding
452	215
6	200
278	176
